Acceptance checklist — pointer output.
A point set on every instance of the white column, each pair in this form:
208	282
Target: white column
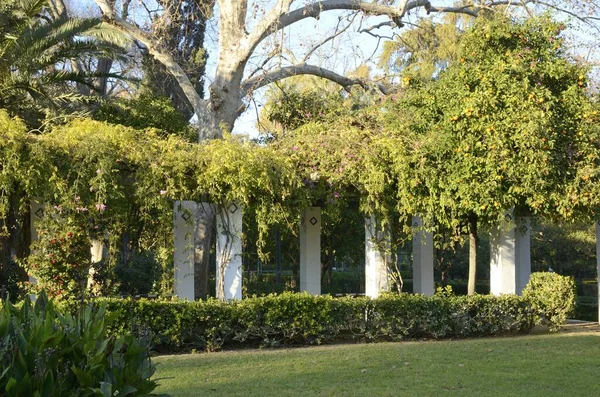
377	257
523	253
310	251
422	259
598	263
183	230
510	258
96	251
229	251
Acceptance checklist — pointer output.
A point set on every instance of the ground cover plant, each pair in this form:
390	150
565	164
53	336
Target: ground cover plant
536	365
46	353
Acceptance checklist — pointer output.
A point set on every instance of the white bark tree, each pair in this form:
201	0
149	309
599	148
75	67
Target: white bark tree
241	37
239	40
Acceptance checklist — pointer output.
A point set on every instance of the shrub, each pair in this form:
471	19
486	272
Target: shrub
552	296
60	258
292	318
45	353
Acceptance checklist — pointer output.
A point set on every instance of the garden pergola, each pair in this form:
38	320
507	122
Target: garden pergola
510	264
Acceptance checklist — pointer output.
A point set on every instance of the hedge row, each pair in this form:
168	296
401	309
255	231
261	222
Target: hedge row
291	318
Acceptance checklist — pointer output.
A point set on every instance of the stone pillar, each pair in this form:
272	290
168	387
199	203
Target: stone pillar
98	251
523	253
377	257
510	258
229	251
183	260
422	259
310	251
598	263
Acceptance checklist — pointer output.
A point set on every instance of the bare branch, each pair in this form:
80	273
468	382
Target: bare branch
125	9
586	19
198	104
264	28
328	39
257	82
379	25
313	10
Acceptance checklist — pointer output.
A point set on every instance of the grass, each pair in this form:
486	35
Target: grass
535	365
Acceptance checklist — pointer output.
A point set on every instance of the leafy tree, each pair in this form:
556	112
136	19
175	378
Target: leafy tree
499	129
422	53
146	111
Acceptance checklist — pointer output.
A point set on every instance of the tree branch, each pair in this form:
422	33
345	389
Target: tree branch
198	104
257	82
336	33
313	10
586	19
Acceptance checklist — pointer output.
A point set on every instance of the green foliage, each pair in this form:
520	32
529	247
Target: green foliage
503	123
44	353
13	159
138	275
422	53
289	318
290	107
567	248
147	111
122	181
552	296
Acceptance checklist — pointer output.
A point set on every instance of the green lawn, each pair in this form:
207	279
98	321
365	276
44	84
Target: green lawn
540	365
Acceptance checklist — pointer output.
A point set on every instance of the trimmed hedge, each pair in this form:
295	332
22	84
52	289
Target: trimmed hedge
292	318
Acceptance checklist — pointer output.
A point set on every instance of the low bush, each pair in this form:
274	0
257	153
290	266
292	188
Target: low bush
552	296
292	318
44	353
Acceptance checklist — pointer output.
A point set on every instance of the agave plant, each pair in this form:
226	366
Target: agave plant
40	54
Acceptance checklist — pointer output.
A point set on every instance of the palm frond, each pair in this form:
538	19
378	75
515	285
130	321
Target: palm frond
107	33
36	54
42	37
75	50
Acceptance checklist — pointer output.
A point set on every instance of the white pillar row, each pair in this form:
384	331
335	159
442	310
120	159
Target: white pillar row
598	263
422	244
310	251
229	251
510	258
377	257
183	260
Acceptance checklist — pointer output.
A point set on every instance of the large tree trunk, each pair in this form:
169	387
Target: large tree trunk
205	219
472	254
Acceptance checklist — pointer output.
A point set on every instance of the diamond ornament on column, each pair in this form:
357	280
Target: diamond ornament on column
233	208
523	229
39	213
313	221
185	216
